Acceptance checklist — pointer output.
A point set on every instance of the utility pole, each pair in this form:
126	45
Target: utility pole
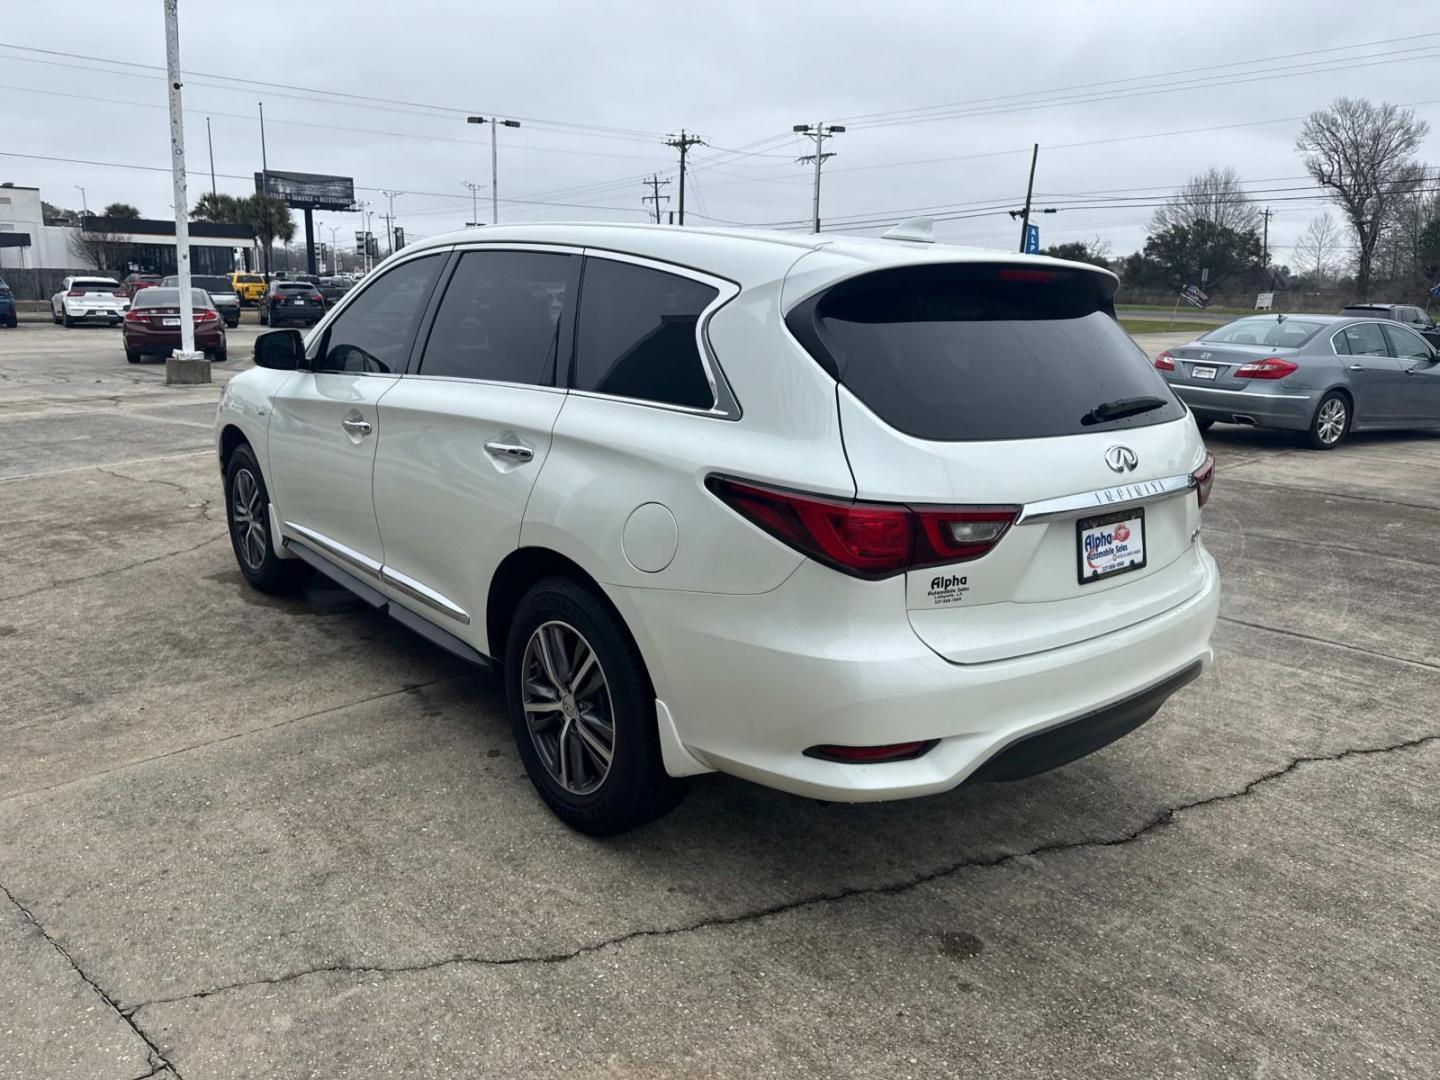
185	365
683	142
1029	194
390	220
264	164
819	132
494	122
655	184
84	205
474	203
209	142
1266	214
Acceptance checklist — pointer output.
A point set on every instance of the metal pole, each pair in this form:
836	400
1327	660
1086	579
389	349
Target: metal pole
1029	191
494	175
84	205
177	171
264	164
819	141
209	142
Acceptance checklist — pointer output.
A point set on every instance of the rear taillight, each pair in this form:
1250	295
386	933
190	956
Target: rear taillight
1165	362
134	316
75	292
4	291
317	298
1272	367
119	292
1204	479
206	316
867	540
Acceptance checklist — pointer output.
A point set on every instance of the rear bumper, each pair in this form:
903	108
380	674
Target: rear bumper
145	341
1280	408
752	681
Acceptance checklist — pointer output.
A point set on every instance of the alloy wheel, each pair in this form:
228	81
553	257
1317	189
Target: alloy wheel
247	515
568	709
1330	422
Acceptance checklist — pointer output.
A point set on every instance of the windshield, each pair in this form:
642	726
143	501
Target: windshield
981	352
1266	330
294	286
159	296
94	286
200	281
250	279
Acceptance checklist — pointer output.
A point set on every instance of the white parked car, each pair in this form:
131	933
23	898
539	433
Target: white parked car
86	299
855	518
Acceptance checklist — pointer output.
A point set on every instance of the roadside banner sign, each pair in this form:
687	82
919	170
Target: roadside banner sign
1194	296
1436	290
1264	301
1032	239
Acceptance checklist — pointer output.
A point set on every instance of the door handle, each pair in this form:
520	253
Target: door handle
1357	367
356	425
509	451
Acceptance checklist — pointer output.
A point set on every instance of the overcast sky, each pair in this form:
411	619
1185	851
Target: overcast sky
598	86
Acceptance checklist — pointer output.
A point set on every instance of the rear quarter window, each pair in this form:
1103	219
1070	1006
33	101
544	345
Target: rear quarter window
982	351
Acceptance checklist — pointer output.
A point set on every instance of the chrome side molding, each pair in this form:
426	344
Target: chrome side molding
424	594
1110	498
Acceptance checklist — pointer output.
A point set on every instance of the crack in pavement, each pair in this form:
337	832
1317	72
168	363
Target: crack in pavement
1159	821
408	688
62	582
158	1061
1425	665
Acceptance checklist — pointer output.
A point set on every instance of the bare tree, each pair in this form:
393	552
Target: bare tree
94	247
1216	196
1361	152
1317	254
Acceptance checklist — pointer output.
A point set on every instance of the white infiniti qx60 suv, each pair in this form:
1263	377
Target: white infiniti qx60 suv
855	518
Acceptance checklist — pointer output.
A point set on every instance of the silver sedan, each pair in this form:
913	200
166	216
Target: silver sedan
1324	375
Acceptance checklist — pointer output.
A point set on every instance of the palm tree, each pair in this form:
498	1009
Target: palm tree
219	209
270	217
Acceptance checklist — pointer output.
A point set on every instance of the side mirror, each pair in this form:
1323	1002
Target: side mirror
281	350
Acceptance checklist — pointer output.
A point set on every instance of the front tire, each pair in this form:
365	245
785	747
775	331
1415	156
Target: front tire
247	512
1331	422
583	712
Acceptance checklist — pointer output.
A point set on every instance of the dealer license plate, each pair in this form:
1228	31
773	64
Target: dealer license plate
172	322
1110	545
1203	371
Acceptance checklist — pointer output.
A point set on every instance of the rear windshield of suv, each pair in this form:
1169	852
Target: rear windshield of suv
1267	330
981	351
94	286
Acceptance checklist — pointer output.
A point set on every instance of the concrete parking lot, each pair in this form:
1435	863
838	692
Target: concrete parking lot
245	837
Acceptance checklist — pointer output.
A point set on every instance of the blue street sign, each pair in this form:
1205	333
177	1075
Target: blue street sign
1435	291
1032	239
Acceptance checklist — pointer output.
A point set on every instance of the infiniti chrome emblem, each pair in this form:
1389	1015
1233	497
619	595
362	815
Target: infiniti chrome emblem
1121	458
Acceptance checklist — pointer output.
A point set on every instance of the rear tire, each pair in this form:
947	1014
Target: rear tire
133	357
1331	423
247	512
66	321
565	748
54	316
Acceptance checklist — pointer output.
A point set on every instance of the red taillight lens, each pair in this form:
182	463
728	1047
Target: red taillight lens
75	292
1165	362
134	315
870	755
1272	367
1204	479
867	540
317	298
206	316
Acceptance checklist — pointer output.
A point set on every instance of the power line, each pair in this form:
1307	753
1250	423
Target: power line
683	142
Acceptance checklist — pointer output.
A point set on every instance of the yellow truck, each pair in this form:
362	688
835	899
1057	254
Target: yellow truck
249	287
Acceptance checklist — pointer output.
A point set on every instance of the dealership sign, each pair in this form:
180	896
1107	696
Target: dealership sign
308	191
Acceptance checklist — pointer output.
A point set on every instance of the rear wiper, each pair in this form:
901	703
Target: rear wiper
1121	407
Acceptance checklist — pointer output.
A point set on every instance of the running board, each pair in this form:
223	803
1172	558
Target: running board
404	616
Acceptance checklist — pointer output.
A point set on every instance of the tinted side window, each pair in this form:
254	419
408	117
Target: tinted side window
1366	340
637	334
374	333
505	317
1407	344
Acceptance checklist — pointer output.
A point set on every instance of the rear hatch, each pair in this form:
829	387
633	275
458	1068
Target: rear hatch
985	385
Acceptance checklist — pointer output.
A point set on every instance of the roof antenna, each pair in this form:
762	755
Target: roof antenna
916	230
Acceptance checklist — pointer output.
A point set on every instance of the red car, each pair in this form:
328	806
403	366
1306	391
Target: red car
133	283
152	325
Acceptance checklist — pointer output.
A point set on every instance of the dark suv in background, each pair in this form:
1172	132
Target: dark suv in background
1409	314
7	306
291	302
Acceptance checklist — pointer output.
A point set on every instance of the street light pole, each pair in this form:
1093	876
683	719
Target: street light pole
390	220
474	203
494	123
84	205
210	143
182	365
